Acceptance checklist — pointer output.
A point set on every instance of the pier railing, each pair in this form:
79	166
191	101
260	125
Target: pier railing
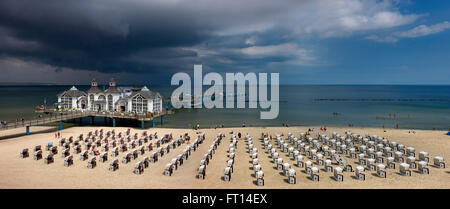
43	120
60	115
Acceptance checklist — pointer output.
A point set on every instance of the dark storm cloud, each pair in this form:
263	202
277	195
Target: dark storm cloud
159	37
103	37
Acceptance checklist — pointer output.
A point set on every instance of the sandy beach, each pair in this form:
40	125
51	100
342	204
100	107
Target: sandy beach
16	172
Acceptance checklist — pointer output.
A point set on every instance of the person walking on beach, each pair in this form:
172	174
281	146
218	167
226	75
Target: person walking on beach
239	135
59	135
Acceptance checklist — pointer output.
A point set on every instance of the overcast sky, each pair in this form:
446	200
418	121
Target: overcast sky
147	41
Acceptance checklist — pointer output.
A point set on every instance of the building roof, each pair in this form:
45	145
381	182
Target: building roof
94	89
112	90
72	92
146	93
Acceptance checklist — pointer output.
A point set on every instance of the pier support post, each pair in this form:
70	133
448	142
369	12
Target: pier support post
28	130
142	124
114	122
162	119
60	125
153	122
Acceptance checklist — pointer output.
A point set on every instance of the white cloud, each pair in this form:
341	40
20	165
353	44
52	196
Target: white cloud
251	41
330	18
272	50
326	18
423	30
296	54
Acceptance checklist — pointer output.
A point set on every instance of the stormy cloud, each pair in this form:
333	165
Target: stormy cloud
160	37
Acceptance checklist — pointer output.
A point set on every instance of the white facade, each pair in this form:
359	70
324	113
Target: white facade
72	99
120	99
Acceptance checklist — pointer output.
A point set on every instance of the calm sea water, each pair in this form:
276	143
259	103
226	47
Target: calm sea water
421	107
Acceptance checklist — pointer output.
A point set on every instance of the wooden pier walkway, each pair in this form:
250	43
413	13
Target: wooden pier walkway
59	116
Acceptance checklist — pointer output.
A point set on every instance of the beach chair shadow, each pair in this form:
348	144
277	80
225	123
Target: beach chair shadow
416	171
281	173
374	174
250	168
354	177
255	182
253	175
286	181
275	168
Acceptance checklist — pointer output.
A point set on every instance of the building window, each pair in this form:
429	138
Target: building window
66	101
139	104
101	97
156	105
110	102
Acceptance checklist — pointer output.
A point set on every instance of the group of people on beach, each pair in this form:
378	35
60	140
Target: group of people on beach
58	135
184	139
218	126
3	123
244	125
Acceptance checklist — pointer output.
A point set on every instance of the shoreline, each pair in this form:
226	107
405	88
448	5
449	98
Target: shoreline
28	173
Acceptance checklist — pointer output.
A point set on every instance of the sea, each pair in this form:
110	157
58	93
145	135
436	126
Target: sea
389	106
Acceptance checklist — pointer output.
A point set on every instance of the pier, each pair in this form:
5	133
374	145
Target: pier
60	116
